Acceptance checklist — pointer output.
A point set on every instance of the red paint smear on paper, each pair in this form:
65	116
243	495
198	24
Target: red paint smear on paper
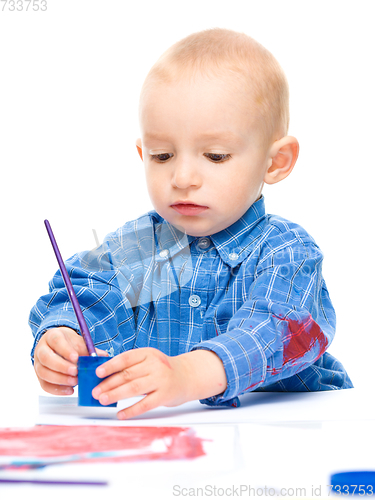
58	441
302	337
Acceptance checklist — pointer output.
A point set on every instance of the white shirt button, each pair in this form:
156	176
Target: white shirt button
233	256
164	253
204	243
194	300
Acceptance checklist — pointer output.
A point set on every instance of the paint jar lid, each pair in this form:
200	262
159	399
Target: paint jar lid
360	482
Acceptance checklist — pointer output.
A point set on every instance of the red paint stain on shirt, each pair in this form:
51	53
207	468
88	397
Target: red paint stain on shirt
302	337
274	371
251	387
85	441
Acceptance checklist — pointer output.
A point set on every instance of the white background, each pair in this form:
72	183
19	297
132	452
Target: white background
70	79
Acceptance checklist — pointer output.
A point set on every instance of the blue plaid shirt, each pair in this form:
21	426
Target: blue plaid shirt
253	294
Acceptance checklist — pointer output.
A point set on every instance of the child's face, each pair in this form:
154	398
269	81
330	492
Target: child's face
202	153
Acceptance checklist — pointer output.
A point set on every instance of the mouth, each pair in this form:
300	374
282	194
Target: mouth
188	208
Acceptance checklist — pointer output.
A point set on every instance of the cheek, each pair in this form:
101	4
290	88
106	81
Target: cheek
153	180
237	189
250	179
157	186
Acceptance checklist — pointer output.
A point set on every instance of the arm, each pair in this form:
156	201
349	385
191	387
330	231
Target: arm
271	337
164	380
106	290
96	281
285	324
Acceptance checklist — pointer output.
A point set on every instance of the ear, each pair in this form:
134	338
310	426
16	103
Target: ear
138	143
283	155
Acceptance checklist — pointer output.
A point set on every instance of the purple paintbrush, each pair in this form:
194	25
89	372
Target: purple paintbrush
54	482
73	298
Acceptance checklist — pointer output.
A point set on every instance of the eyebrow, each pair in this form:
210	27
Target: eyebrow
226	136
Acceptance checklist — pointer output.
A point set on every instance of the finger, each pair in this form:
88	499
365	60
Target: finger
148	403
120	362
47	358
65	346
58	390
136	387
79	345
120	378
54	377
100	352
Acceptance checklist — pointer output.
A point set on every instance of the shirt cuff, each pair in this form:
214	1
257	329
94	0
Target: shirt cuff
244	361
234	402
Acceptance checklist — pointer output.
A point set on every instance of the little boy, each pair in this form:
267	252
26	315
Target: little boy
207	297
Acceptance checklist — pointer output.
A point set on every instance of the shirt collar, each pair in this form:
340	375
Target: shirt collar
234	243
169	240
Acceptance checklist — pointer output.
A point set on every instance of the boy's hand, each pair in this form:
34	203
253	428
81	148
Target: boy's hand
56	357
165	380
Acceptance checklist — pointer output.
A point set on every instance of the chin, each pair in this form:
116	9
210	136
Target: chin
192	226
190	229
198	231
197	234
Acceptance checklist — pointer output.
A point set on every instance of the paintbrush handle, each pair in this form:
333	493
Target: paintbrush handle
73	298
55	482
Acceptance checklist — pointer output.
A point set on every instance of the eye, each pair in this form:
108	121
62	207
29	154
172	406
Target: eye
217	158
161	158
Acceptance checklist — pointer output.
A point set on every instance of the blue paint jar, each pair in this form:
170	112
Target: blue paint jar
359	482
87	379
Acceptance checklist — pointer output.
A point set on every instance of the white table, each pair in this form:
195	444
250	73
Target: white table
274	440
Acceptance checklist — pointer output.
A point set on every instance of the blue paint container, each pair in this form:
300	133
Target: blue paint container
360	482
87	379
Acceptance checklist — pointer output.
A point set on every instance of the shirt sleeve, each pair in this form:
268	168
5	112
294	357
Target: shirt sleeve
106	288
285	324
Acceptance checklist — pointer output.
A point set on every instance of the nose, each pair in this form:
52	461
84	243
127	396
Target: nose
186	175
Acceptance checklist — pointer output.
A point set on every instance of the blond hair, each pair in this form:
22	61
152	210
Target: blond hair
252	70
